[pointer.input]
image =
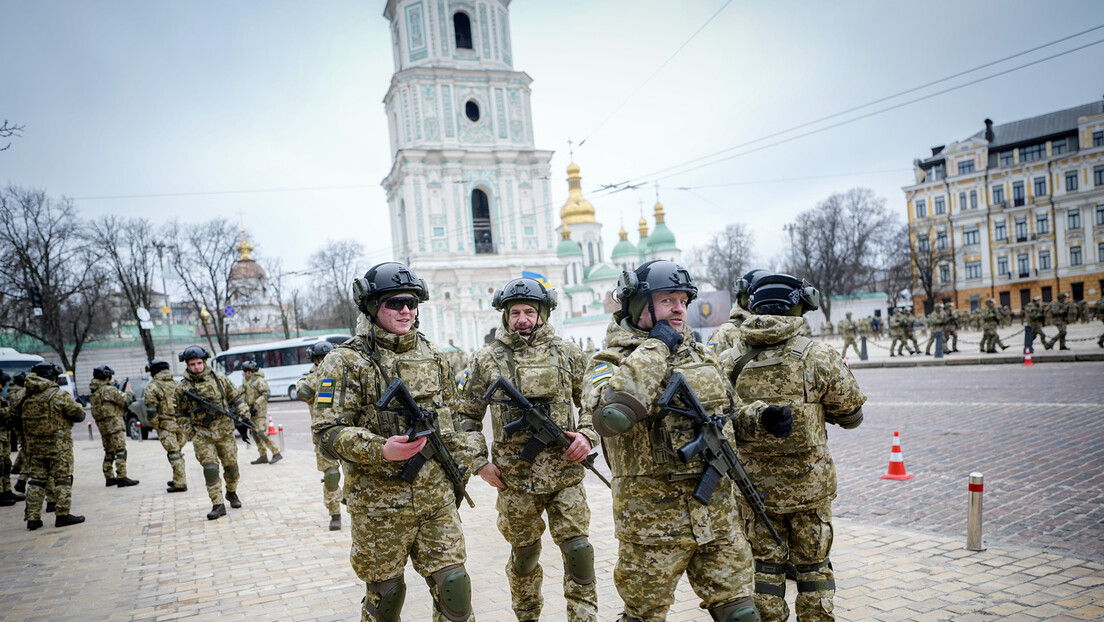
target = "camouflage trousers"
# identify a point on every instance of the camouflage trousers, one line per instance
(1037, 331)
(210, 451)
(521, 523)
(173, 439)
(646, 575)
(850, 341)
(990, 339)
(1059, 338)
(46, 466)
(808, 534)
(260, 434)
(5, 461)
(382, 542)
(114, 462)
(331, 496)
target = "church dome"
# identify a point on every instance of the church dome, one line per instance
(245, 267)
(642, 245)
(567, 248)
(577, 209)
(624, 248)
(662, 239)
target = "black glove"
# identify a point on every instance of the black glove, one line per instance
(663, 332)
(252, 410)
(778, 420)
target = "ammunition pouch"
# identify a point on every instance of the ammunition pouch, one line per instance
(526, 558)
(739, 610)
(453, 592)
(619, 414)
(331, 478)
(578, 559)
(392, 596)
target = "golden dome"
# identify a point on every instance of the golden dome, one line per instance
(577, 209)
(643, 227)
(624, 234)
(658, 212)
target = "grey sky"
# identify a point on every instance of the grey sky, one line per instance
(194, 108)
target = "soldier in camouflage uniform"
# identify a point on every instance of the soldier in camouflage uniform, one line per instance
(1098, 308)
(936, 321)
(108, 408)
(546, 370)
(1035, 314)
(847, 331)
(392, 519)
(896, 333)
(330, 468)
(908, 325)
(662, 530)
(724, 335)
(212, 434)
(16, 391)
(7, 497)
(47, 415)
(990, 318)
(774, 363)
(255, 391)
(172, 431)
(1058, 312)
(950, 327)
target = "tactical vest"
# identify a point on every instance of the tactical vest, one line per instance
(785, 380)
(541, 382)
(40, 420)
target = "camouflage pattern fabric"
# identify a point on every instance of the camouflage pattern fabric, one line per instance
(15, 396)
(47, 415)
(213, 443)
(5, 447)
(108, 408)
(663, 531)
(990, 319)
(331, 497)
(546, 369)
(1098, 308)
(171, 430)
(255, 389)
(724, 335)
(1035, 314)
(847, 331)
(1058, 312)
(908, 322)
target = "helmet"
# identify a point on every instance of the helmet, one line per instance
(4, 378)
(157, 366)
(319, 349)
(990, 301)
(938, 306)
(746, 282)
(386, 278)
(634, 289)
(1037, 299)
(778, 293)
(525, 290)
(848, 314)
(193, 352)
(250, 366)
(1064, 295)
(46, 370)
(103, 372)
(20, 378)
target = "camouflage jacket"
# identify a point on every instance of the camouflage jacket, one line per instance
(348, 425)
(546, 370)
(159, 397)
(846, 328)
(47, 414)
(989, 317)
(722, 337)
(255, 390)
(1058, 312)
(109, 406)
(214, 387)
(1035, 313)
(307, 388)
(652, 488)
(810, 377)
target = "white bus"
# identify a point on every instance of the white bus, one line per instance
(13, 363)
(283, 362)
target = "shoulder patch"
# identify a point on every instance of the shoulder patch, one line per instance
(463, 382)
(324, 397)
(602, 373)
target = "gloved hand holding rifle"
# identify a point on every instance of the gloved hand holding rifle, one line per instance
(211, 409)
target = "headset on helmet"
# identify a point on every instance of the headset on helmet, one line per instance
(46, 370)
(529, 291)
(776, 294)
(193, 352)
(157, 366)
(659, 275)
(20, 378)
(319, 349)
(386, 278)
(250, 366)
(103, 372)
(745, 283)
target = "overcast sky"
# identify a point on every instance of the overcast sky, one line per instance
(196, 109)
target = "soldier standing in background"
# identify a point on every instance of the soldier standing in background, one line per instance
(212, 433)
(255, 390)
(547, 370)
(776, 364)
(990, 318)
(306, 389)
(950, 327)
(108, 405)
(1035, 314)
(47, 415)
(936, 321)
(171, 430)
(7, 497)
(1058, 312)
(392, 519)
(1099, 310)
(724, 335)
(662, 530)
(908, 325)
(16, 391)
(847, 331)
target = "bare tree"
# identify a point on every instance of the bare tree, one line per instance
(204, 254)
(835, 245)
(127, 246)
(925, 257)
(338, 263)
(51, 286)
(728, 255)
(7, 131)
(895, 274)
(278, 279)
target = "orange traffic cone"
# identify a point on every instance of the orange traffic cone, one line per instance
(896, 461)
(271, 428)
(1027, 357)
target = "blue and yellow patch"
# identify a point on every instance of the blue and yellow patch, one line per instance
(463, 382)
(174, 402)
(712, 346)
(324, 398)
(602, 373)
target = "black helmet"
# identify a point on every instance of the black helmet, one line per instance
(157, 366)
(103, 372)
(634, 289)
(526, 290)
(775, 294)
(193, 352)
(745, 283)
(20, 378)
(319, 349)
(386, 278)
(4, 378)
(250, 366)
(46, 370)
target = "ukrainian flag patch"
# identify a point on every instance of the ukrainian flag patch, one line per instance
(602, 373)
(324, 398)
(712, 346)
(463, 382)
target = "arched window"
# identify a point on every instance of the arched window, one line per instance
(481, 222)
(461, 25)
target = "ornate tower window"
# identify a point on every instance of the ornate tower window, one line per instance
(471, 109)
(461, 25)
(481, 222)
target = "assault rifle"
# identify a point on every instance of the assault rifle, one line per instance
(535, 418)
(718, 455)
(211, 409)
(423, 423)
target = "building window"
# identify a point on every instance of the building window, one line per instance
(973, 269)
(973, 199)
(1071, 181)
(1021, 229)
(1098, 139)
(1040, 186)
(1018, 195)
(462, 26)
(941, 240)
(1007, 158)
(921, 208)
(922, 243)
(1042, 223)
(961, 201)
(998, 194)
(1058, 147)
(1023, 265)
(970, 236)
(937, 172)
(1098, 175)
(481, 222)
(1000, 230)
(1032, 153)
(945, 272)
(1099, 215)
(1100, 252)
(966, 166)
(471, 109)
(1044, 260)
(1075, 255)
(940, 205)
(1073, 219)
(438, 232)
(1002, 265)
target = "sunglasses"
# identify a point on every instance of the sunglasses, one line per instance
(397, 303)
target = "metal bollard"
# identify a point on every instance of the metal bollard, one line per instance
(90, 432)
(280, 431)
(973, 524)
(862, 351)
(939, 344)
(1029, 338)
(139, 424)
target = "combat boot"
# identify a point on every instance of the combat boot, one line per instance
(6, 499)
(123, 482)
(276, 457)
(111, 481)
(174, 488)
(68, 519)
(217, 510)
(33, 524)
(51, 506)
(261, 460)
(20, 485)
(335, 522)
(232, 497)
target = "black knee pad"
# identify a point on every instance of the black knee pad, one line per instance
(526, 558)
(740, 610)
(121, 454)
(578, 559)
(453, 592)
(392, 595)
(232, 472)
(210, 474)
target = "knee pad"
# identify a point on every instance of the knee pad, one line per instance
(121, 454)
(232, 472)
(822, 584)
(526, 558)
(210, 474)
(740, 610)
(331, 478)
(762, 587)
(64, 481)
(578, 559)
(392, 595)
(453, 592)
(36, 482)
(175, 456)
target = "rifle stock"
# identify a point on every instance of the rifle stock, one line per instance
(211, 409)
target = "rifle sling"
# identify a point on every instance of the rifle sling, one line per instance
(743, 361)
